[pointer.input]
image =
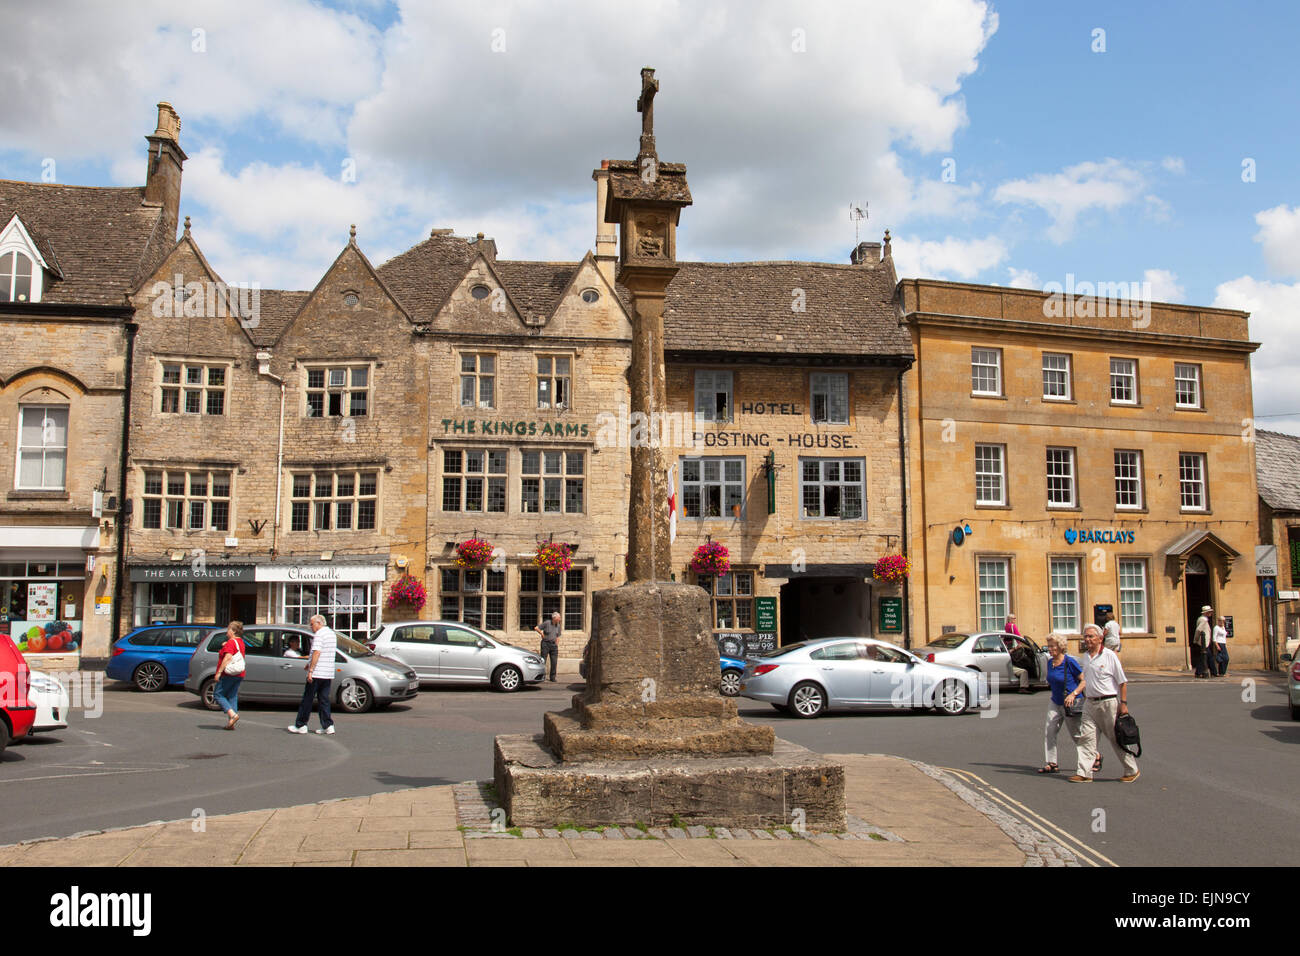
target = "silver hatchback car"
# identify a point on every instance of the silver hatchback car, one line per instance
(856, 673)
(275, 673)
(986, 652)
(450, 652)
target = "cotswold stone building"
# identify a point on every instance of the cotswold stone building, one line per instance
(69, 258)
(1277, 466)
(1096, 455)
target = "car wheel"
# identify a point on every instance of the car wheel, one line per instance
(951, 698)
(208, 694)
(807, 700)
(4, 735)
(1295, 711)
(355, 696)
(150, 676)
(730, 684)
(507, 678)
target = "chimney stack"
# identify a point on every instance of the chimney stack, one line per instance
(866, 253)
(162, 185)
(606, 238)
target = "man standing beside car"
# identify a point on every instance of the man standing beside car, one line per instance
(320, 679)
(550, 631)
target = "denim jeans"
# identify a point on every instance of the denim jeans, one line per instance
(227, 692)
(319, 691)
(1222, 657)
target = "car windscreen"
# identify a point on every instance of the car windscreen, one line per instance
(950, 640)
(351, 647)
(784, 649)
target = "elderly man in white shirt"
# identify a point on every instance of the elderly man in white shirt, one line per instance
(1105, 690)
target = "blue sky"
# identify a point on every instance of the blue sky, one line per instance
(1115, 165)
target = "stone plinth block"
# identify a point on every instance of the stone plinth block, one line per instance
(653, 737)
(651, 643)
(790, 786)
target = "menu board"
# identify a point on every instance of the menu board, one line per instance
(41, 596)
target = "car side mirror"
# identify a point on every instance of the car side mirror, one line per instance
(483, 644)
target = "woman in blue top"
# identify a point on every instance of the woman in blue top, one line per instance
(1063, 675)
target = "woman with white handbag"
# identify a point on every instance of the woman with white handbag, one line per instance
(230, 672)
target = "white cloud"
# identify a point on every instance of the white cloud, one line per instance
(1279, 234)
(1023, 279)
(1174, 164)
(1065, 196)
(1164, 285)
(1274, 309)
(947, 258)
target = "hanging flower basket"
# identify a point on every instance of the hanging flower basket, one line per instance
(554, 558)
(712, 558)
(473, 554)
(892, 568)
(407, 590)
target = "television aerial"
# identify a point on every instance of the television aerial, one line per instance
(857, 214)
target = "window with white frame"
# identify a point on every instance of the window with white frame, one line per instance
(713, 395)
(832, 487)
(338, 391)
(994, 593)
(1056, 376)
(1060, 478)
(986, 371)
(476, 596)
(344, 500)
(1132, 595)
(474, 479)
(542, 593)
(1064, 573)
(189, 500)
(1191, 481)
(830, 397)
(192, 388)
(712, 487)
(990, 475)
(732, 596)
(554, 374)
(42, 447)
(1128, 479)
(552, 481)
(1123, 381)
(478, 377)
(20, 279)
(1187, 385)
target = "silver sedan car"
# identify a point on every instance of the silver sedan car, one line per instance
(986, 652)
(449, 652)
(855, 673)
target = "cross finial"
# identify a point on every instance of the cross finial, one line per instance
(645, 105)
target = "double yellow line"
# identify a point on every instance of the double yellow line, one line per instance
(1017, 809)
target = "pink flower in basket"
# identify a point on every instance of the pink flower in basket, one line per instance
(473, 554)
(711, 558)
(893, 568)
(407, 590)
(554, 558)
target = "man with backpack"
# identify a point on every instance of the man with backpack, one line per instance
(1105, 690)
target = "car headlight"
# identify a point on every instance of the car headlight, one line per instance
(535, 661)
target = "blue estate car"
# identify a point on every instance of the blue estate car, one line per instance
(156, 655)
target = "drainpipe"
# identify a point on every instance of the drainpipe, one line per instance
(264, 369)
(123, 509)
(902, 483)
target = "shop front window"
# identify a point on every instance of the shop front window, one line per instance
(351, 610)
(41, 605)
(170, 603)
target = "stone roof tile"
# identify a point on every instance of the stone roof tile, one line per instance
(1277, 470)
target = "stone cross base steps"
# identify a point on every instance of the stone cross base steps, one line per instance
(792, 785)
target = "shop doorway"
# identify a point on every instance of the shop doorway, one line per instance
(817, 607)
(1196, 587)
(236, 603)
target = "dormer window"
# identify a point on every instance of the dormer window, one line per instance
(16, 281)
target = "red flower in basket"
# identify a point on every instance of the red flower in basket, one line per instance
(407, 590)
(473, 554)
(711, 558)
(893, 568)
(554, 558)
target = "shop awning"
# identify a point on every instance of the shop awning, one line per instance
(49, 536)
(188, 571)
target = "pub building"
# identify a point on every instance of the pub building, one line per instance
(1073, 456)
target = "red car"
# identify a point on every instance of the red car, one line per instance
(17, 713)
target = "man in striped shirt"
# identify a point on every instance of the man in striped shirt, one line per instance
(320, 679)
(1105, 690)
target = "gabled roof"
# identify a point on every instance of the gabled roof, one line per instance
(1185, 543)
(535, 288)
(36, 242)
(423, 276)
(103, 240)
(1277, 469)
(276, 309)
(741, 307)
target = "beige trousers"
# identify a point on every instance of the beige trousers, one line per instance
(1099, 716)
